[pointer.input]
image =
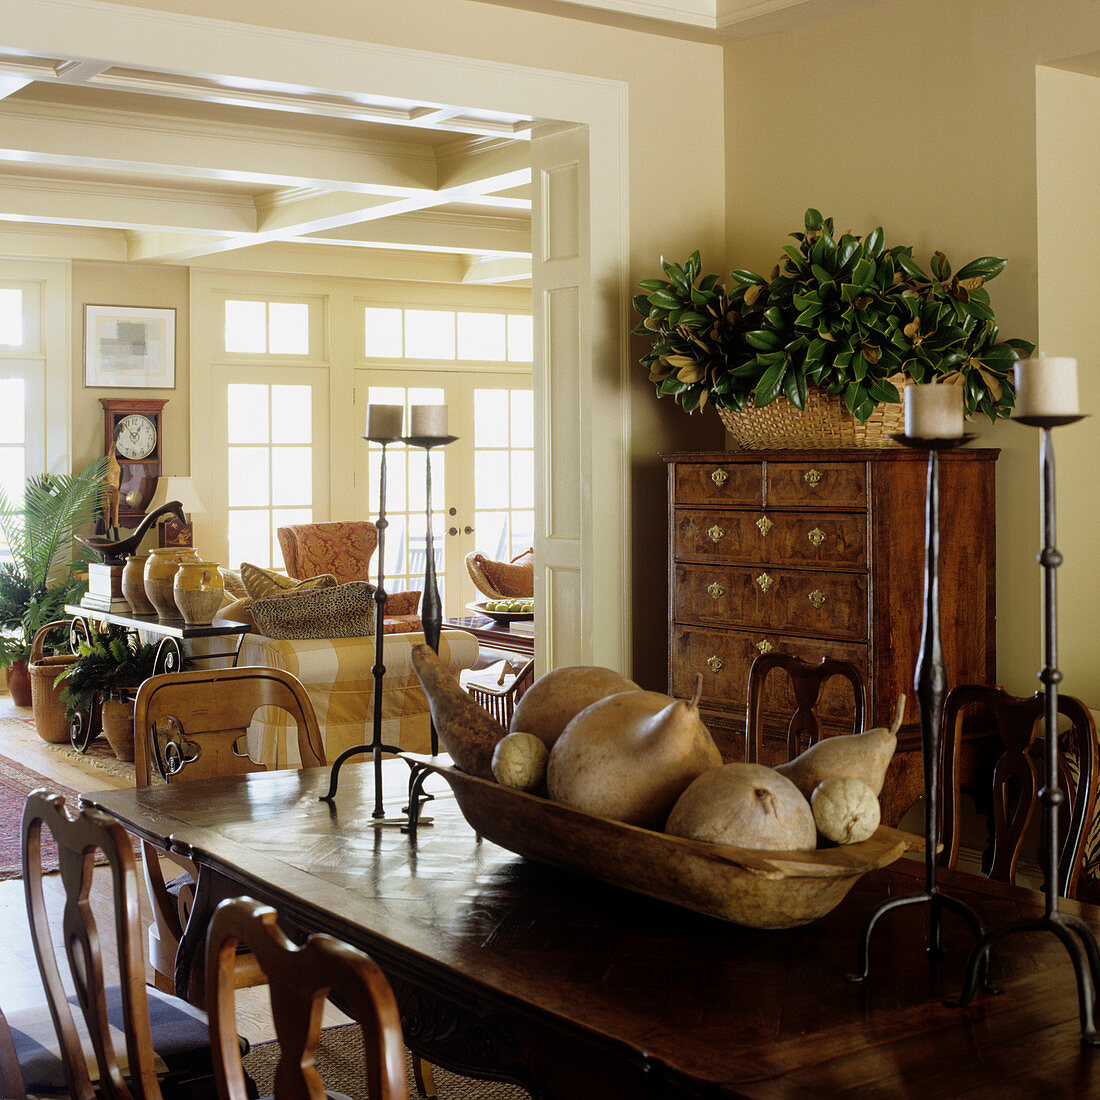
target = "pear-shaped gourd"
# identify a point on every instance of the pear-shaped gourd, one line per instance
(556, 698)
(519, 761)
(630, 756)
(863, 756)
(846, 810)
(466, 730)
(747, 805)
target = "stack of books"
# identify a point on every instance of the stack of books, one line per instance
(105, 589)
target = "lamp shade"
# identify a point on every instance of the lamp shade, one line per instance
(177, 488)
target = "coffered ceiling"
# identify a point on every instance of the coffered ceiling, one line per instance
(99, 162)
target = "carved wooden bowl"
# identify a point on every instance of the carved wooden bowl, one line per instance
(759, 889)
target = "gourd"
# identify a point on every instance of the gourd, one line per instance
(747, 805)
(466, 730)
(846, 810)
(631, 755)
(863, 756)
(519, 761)
(553, 700)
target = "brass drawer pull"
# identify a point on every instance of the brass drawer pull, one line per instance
(812, 478)
(765, 582)
(817, 536)
(715, 590)
(716, 534)
(765, 525)
(817, 598)
(714, 663)
(765, 646)
(719, 477)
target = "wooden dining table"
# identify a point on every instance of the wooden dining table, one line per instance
(508, 969)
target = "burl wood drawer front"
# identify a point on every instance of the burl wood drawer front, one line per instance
(778, 538)
(825, 485)
(781, 600)
(723, 658)
(733, 483)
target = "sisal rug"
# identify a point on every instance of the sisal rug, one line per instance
(340, 1063)
(16, 782)
(99, 758)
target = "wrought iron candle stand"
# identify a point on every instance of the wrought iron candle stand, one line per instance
(431, 608)
(930, 683)
(1075, 934)
(377, 746)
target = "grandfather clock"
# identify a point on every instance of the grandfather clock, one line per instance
(132, 427)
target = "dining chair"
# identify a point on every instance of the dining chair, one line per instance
(500, 687)
(190, 726)
(131, 1041)
(300, 979)
(1018, 775)
(11, 1075)
(806, 681)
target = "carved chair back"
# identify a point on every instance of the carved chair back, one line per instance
(806, 681)
(301, 978)
(1018, 775)
(500, 698)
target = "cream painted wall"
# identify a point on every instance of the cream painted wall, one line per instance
(1068, 110)
(161, 287)
(921, 117)
(676, 192)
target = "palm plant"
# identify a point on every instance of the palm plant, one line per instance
(40, 573)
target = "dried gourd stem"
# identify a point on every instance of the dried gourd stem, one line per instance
(767, 800)
(897, 716)
(694, 704)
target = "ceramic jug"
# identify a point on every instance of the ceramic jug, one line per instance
(133, 585)
(198, 589)
(160, 571)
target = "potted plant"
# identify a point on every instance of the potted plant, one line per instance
(39, 574)
(845, 318)
(111, 664)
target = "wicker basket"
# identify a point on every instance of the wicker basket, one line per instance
(49, 710)
(824, 423)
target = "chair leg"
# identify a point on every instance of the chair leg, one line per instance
(424, 1077)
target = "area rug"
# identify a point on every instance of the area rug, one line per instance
(99, 757)
(16, 782)
(340, 1063)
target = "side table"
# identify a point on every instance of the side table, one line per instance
(490, 634)
(169, 657)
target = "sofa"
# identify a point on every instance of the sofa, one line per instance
(337, 674)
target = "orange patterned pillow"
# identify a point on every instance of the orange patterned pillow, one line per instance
(260, 582)
(500, 580)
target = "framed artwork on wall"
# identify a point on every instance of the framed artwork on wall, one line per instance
(130, 346)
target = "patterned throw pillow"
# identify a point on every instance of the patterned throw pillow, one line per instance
(500, 580)
(260, 582)
(343, 611)
(233, 582)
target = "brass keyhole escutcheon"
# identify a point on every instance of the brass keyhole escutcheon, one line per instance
(812, 478)
(765, 582)
(765, 646)
(765, 525)
(817, 536)
(716, 534)
(714, 663)
(716, 590)
(719, 477)
(817, 598)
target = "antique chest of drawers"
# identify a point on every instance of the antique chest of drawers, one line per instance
(821, 553)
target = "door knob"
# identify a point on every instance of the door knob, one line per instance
(452, 530)
(467, 530)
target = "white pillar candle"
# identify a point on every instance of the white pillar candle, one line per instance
(933, 411)
(428, 420)
(1046, 386)
(384, 421)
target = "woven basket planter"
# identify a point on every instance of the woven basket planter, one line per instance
(49, 710)
(824, 423)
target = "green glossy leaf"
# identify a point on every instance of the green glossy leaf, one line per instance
(821, 274)
(653, 284)
(678, 277)
(692, 266)
(663, 299)
(745, 278)
(808, 318)
(911, 267)
(671, 386)
(770, 385)
(795, 257)
(863, 272)
(940, 267)
(774, 318)
(986, 267)
(813, 219)
(873, 244)
(762, 340)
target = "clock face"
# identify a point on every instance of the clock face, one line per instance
(136, 436)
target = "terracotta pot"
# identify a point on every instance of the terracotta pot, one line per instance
(160, 571)
(118, 726)
(133, 585)
(19, 683)
(198, 590)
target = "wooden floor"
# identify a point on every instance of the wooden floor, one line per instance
(19, 980)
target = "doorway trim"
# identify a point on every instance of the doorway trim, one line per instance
(175, 42)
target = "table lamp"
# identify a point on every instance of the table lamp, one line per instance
(172, 532)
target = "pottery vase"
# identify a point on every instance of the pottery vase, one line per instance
(133, 585)
(160, 572)
(118, 726)
(198, 590)
(19, 683)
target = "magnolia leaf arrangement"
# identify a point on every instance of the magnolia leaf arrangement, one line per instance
(848, 315)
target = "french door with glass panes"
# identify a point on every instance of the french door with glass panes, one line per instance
(482, 484)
